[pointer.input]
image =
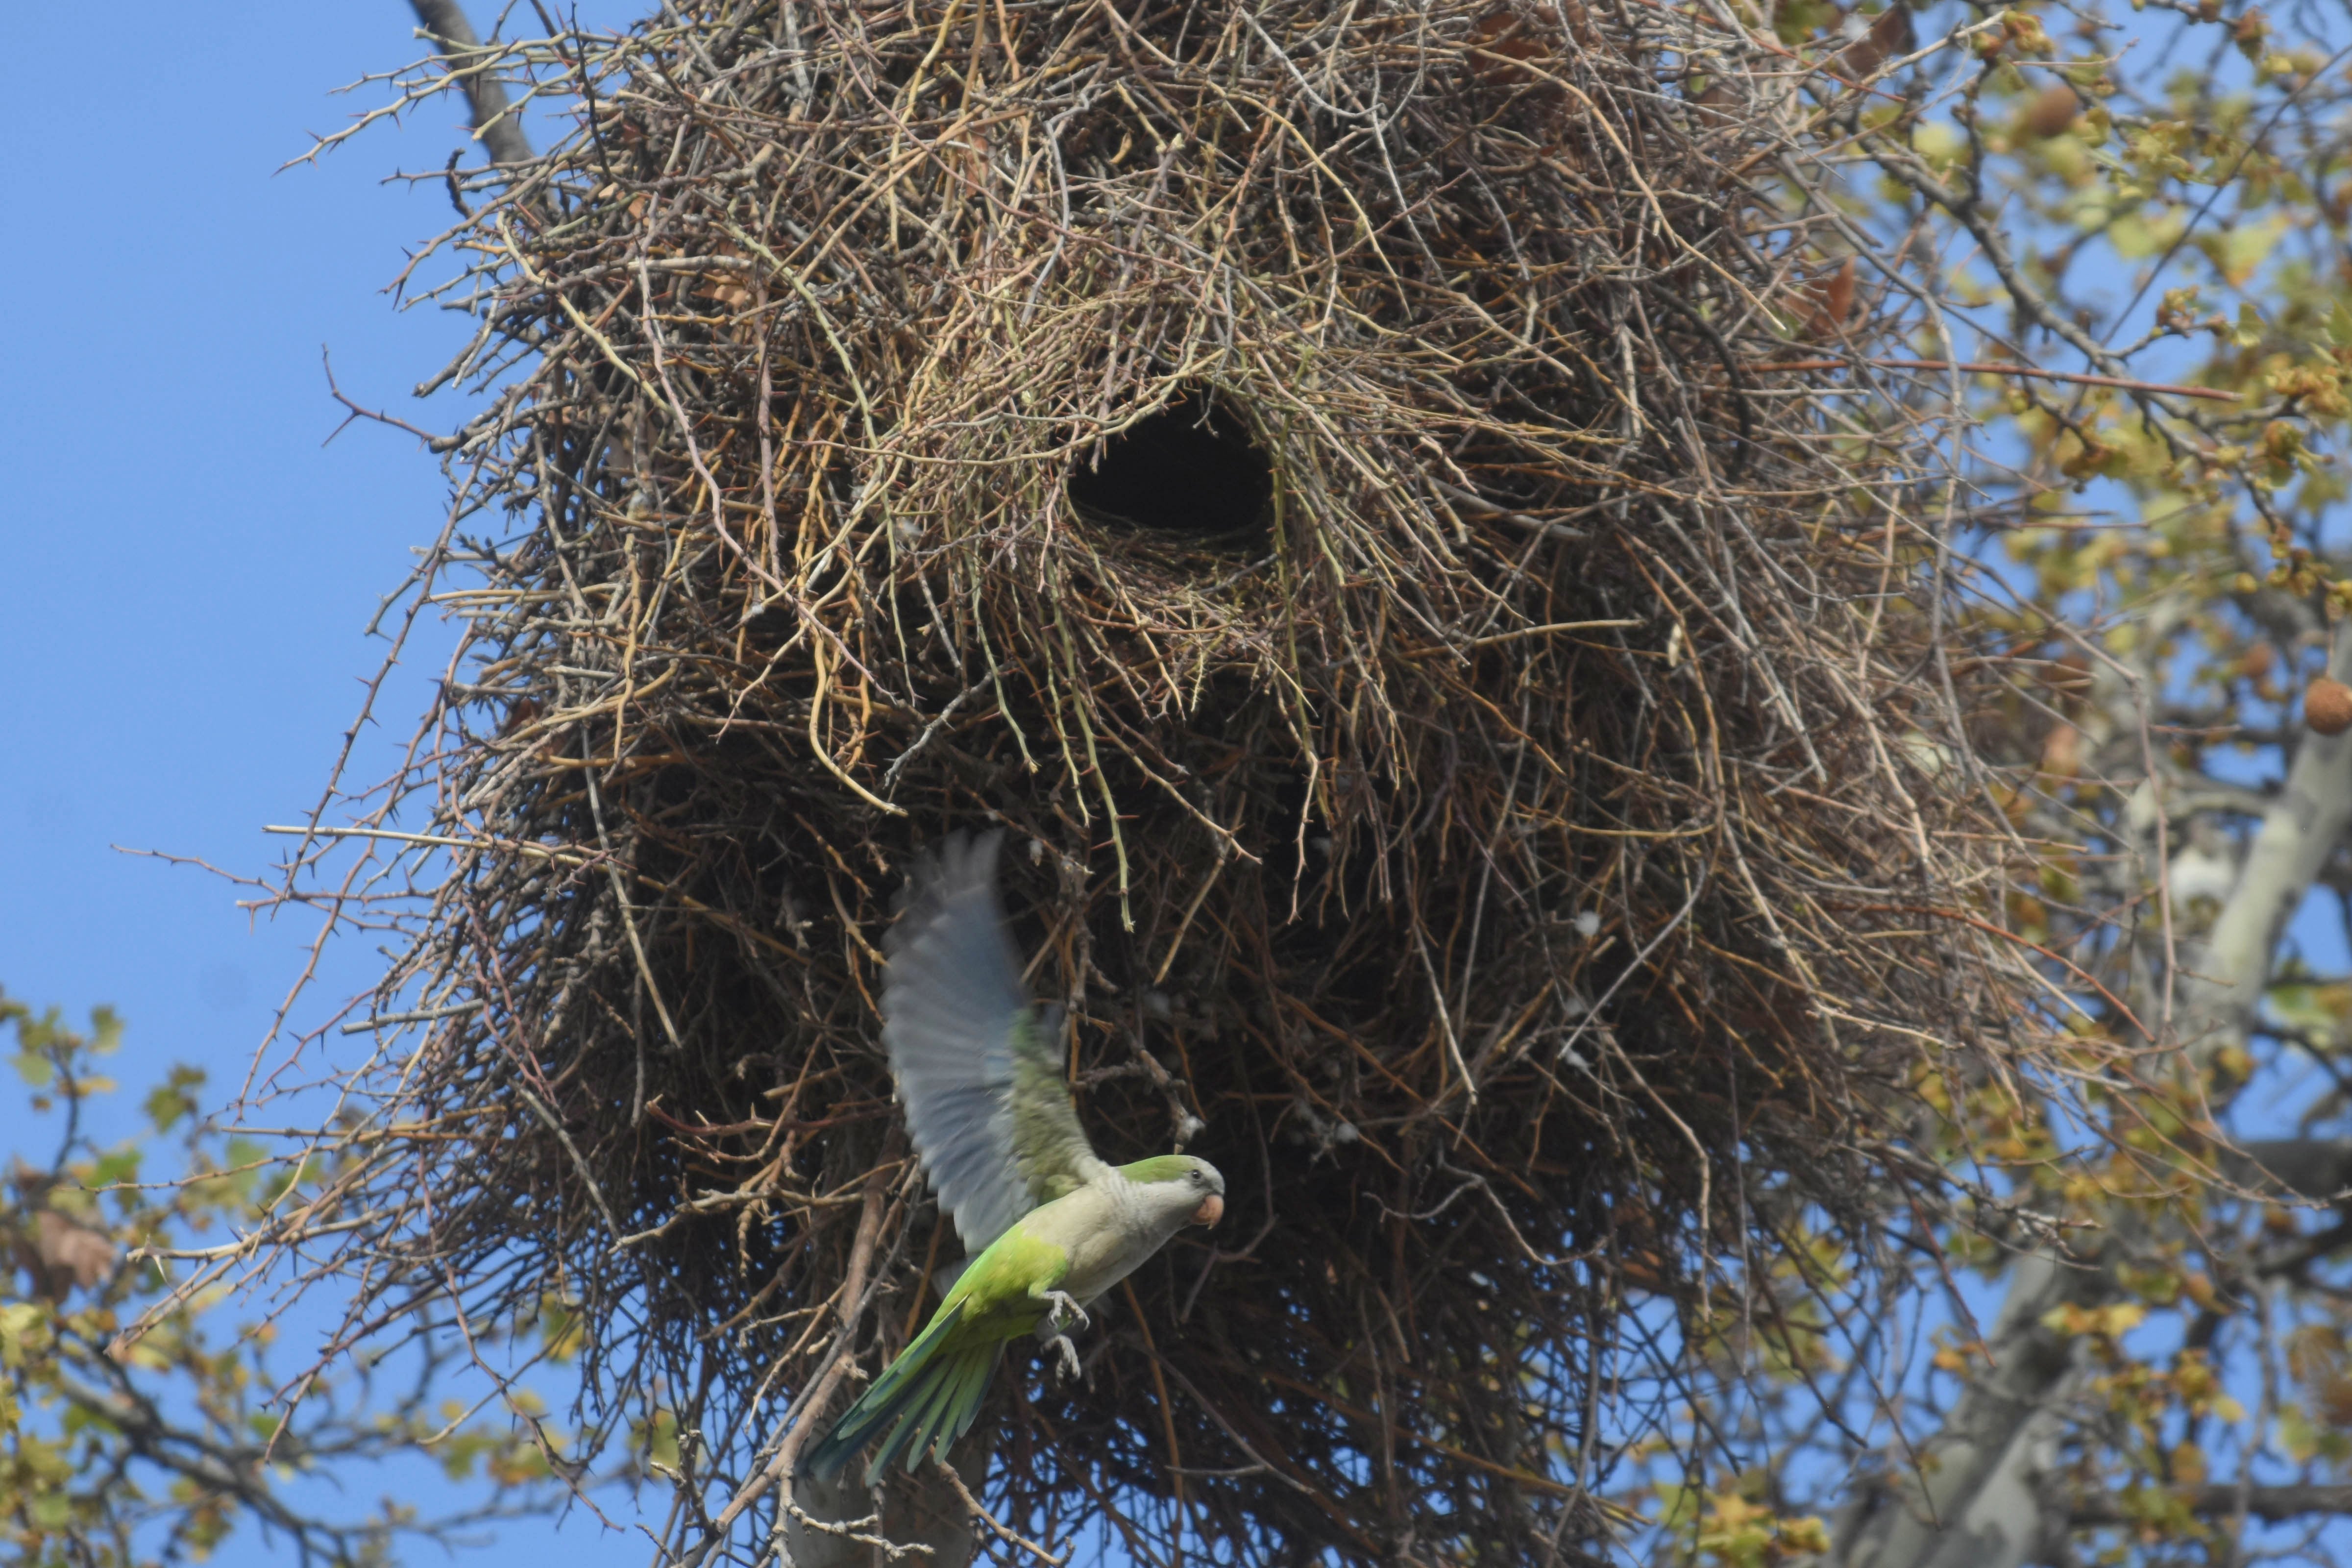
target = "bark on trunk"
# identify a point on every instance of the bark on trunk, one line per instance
(918, 1509)
(495, 126)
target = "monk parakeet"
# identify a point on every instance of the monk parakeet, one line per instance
(1048, 1226)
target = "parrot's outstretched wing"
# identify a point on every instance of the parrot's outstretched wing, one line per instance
(985, 1097)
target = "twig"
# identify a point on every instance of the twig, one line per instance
(1009, 1537)
(1974, 367)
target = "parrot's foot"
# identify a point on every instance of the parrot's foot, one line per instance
(1066, 1310)
(1069, 1354)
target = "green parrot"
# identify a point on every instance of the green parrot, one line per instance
(1047, 1226)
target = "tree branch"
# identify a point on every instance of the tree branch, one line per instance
(2225, 1499)
(496, 125)
(2318, 1168)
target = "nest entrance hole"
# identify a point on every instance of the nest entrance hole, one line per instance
(1190, 470)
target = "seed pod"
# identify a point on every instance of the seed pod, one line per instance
(2052, 110)
(2328, 706)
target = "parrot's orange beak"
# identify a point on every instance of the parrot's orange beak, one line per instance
(1212, 1210)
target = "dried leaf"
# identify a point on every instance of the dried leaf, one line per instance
(69, 1254)
(1889, 36)
(1832, 302)
(1507, 34)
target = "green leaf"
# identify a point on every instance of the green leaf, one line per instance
(173, 1100)
(116, 1169)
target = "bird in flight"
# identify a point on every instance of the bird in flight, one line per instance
(1047, 1224)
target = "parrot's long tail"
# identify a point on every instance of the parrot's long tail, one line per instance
(931, 1393)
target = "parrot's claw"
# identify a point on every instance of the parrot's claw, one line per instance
(1066, 1310)
(1069, 1354)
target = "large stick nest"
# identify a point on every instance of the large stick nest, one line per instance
(1479, 765)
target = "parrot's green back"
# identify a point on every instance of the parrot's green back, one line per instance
(928, 1397)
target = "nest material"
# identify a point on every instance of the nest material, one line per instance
(1317, 474)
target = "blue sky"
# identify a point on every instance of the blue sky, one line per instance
(189, 568)
(189, 571)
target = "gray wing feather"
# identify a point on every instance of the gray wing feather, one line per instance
(985, 1099)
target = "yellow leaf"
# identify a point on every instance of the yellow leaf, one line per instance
(2243, 247)
(1806, 1535)
(1938, 142)
(2296, 1435)
(2135, 237)
(20, 1321)
(143, 1353)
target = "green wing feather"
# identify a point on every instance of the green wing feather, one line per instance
(910, 1378)
(1048, 1144)
(982, 1082)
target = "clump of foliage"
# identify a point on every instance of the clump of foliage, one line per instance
(122, 1450)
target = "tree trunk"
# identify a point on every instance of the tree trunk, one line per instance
(495, 124)
(1976, 1499)
(923, 1509)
